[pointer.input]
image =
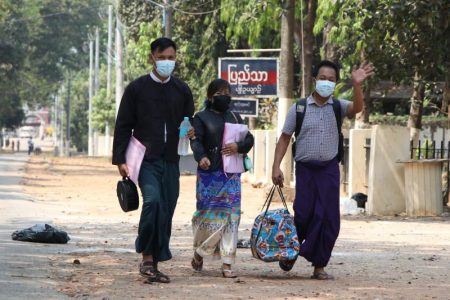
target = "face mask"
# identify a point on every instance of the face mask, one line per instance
(325, 88)
(165, 67)
(221, 102)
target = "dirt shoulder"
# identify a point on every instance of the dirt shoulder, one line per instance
(387, 258)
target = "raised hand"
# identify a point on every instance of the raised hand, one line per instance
(361, 73)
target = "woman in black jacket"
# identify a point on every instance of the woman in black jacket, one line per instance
(216, 220)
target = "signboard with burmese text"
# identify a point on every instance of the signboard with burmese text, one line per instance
(255, 77)
(246, 107)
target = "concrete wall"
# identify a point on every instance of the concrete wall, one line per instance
(271, 142)
(389, 144)
(357, 160)
(103, 146)
(262, 156)
(259, 156)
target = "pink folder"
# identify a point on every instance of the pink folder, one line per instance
(134, 157)
(234, 133)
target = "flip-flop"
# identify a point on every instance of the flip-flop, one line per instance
(322, 276)
(228, 274)
(197, 265)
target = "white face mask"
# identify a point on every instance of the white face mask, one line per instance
(165, 67)
(325, 87)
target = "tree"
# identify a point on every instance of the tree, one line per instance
(200, 39)
(308, 44)
(418, 33)
(11, 113)
(39, 41)
(79, 108)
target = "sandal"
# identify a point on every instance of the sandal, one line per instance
(286, 265)
(147, 269)
(197, 264)
(160, 277)
(322, 276)
(228, 273)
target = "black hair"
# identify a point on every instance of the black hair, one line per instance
(162, 44)
(326, 63)
(215, 86)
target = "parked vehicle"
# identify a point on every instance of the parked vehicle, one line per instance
(27, 132)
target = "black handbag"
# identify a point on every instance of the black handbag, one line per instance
(127, 194)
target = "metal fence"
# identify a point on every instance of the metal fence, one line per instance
(428, 150)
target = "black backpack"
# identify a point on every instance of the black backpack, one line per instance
(300, 108)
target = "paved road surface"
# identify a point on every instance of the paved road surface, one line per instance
(22, 275)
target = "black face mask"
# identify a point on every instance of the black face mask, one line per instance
(221, 102)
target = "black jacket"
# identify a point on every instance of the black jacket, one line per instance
(209, 126)
(152, 112)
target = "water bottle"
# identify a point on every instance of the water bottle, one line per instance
(183, 144)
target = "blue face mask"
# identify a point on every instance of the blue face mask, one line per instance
(325, 87)
(165, 67)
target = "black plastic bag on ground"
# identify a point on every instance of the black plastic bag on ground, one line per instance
(41, 233)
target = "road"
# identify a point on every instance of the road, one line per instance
(374, 257)
(21, 272)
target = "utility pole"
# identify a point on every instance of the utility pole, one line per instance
(109, 51)
(91, 94)
(97, 61)
(61, 124)
(108, 74)
(68, 116)
(119, 65)
(55, 120)
(168, 14)
(96, 80)
(286, 79)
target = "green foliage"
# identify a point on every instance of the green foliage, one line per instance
(79, 111)
(267, 113)
(103, 106)
(343, 94)
(103, 110)
(138, 52)
(427, 121)
(39, 41)
(11, 113)
(425, 151)
(254, 23)
(200, 40)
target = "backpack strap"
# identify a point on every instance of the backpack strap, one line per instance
(234, 116)
(337, 114)
(300, 110)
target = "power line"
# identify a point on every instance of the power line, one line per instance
(184, 11)
(157, 4)
(37, 17)
(197, 13)
(50, 15)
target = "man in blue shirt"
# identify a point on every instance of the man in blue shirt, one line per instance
(316, 204)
